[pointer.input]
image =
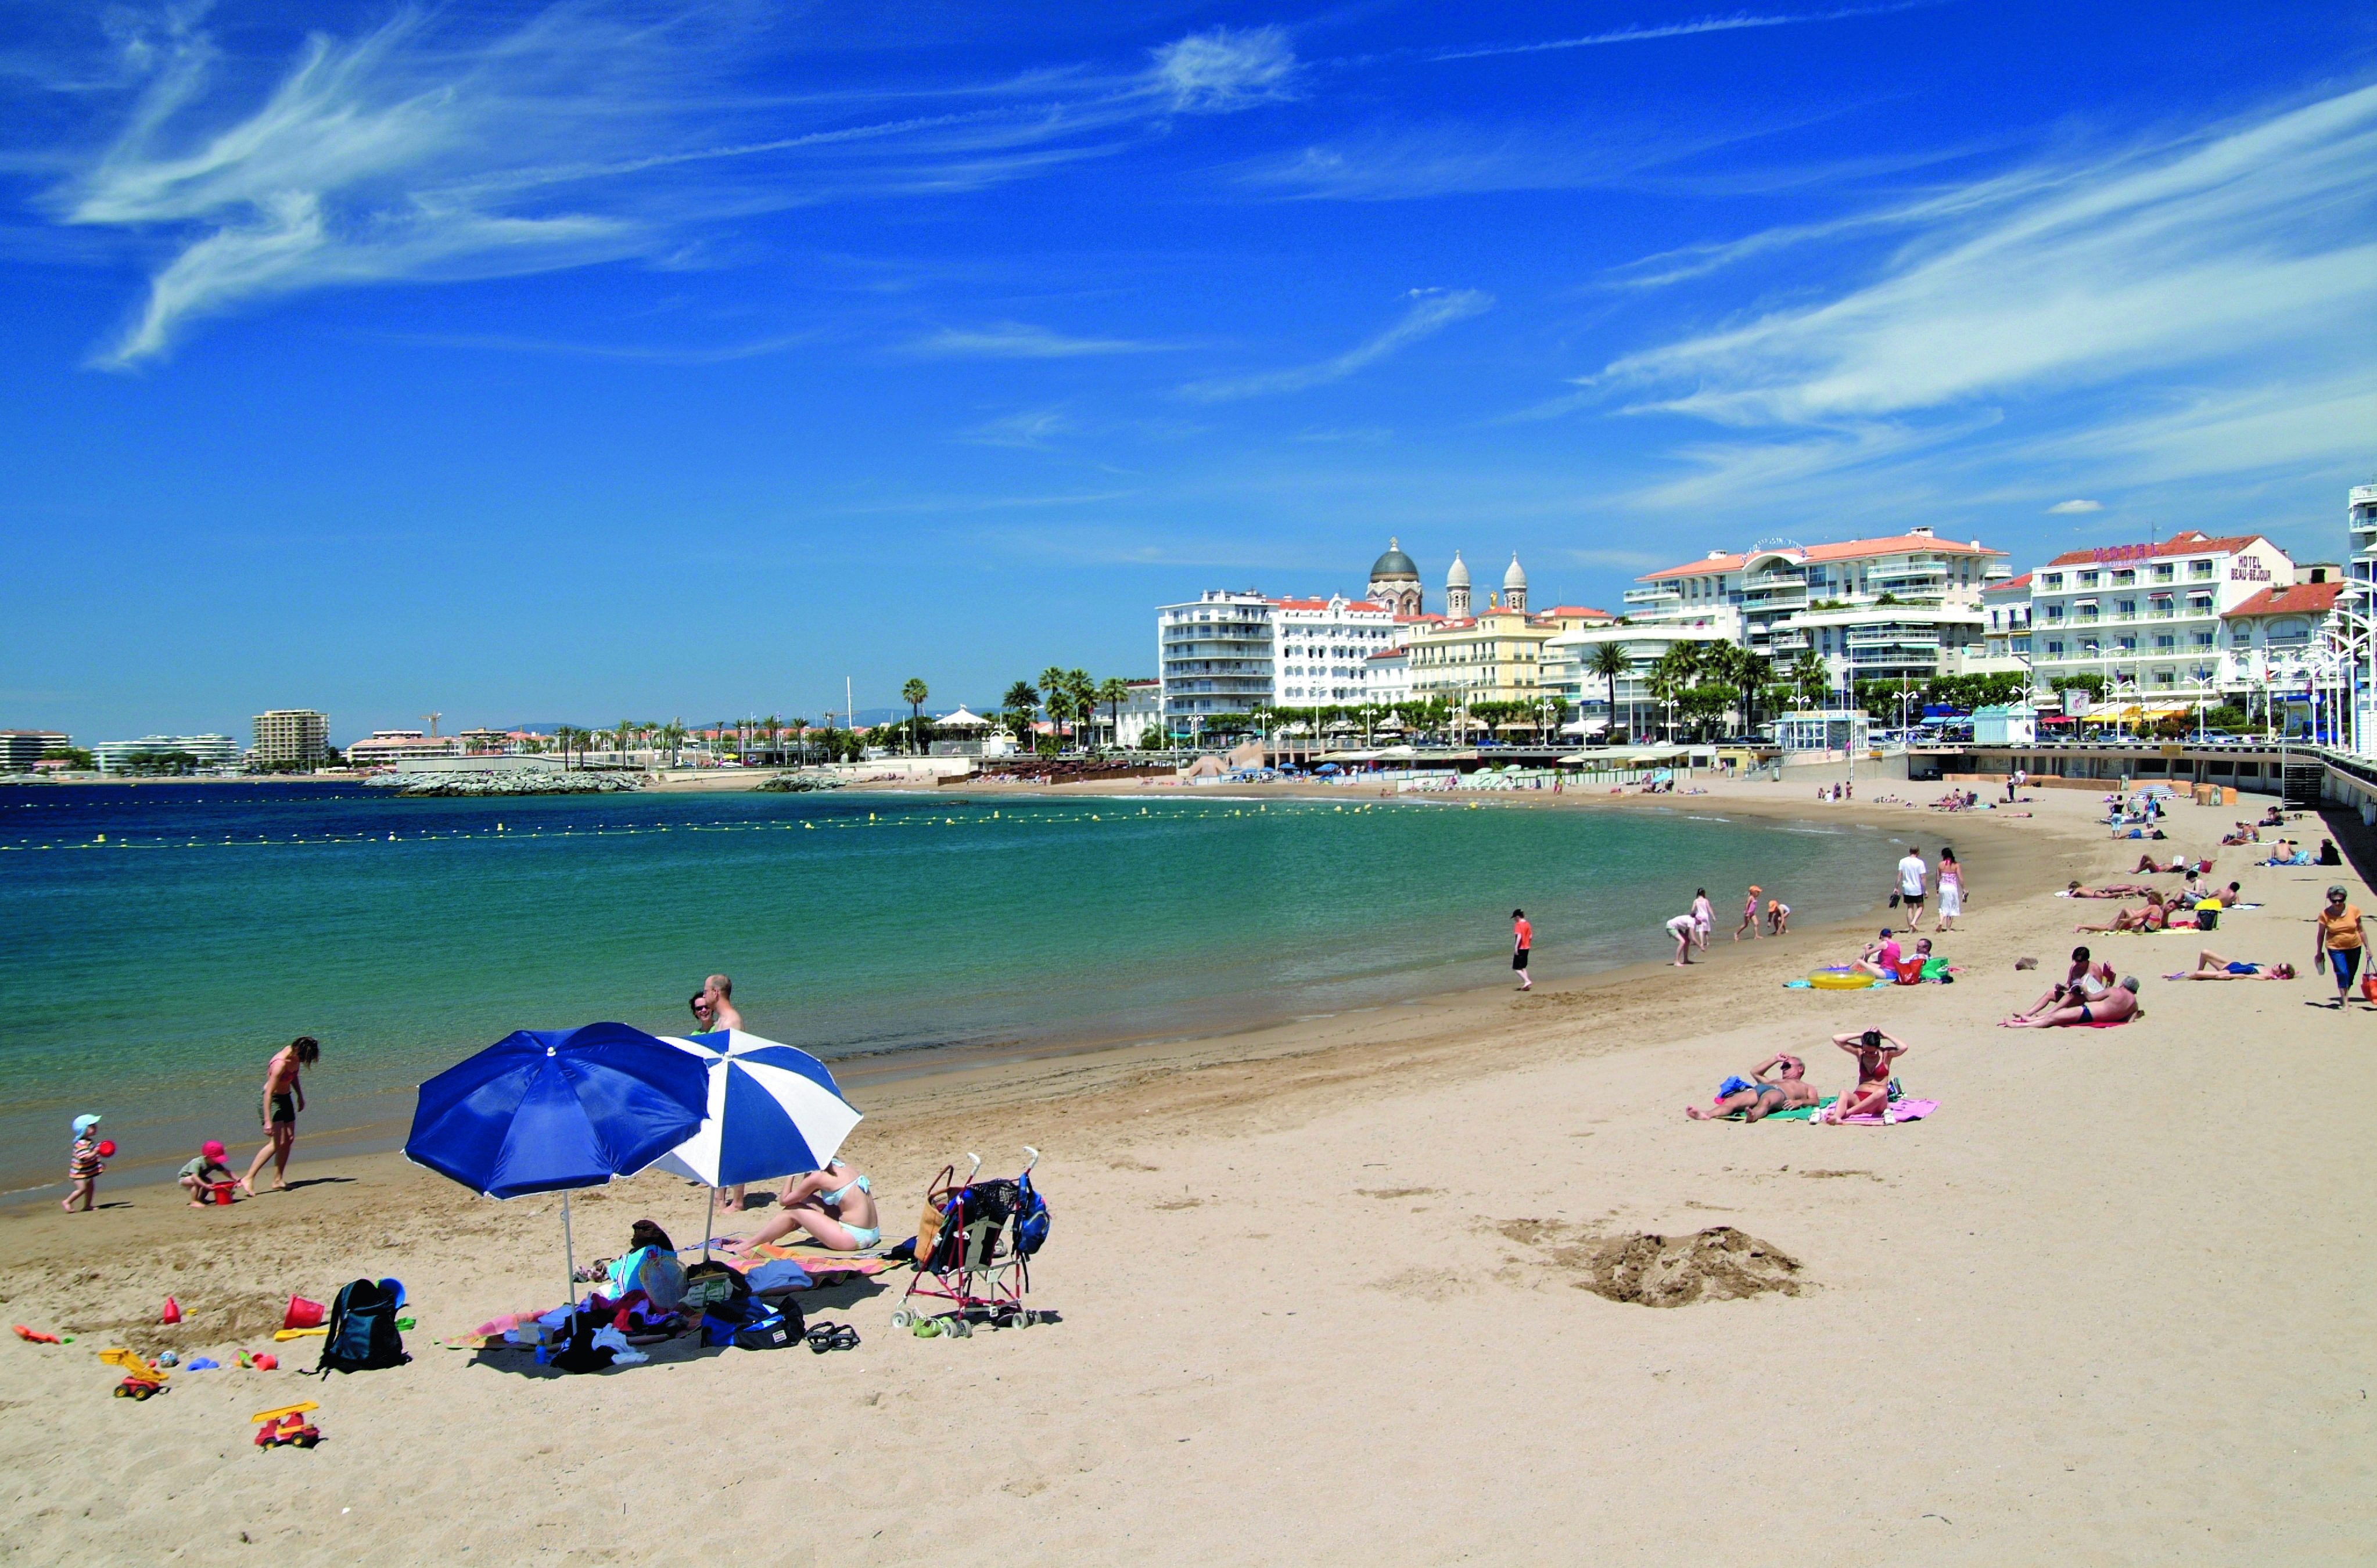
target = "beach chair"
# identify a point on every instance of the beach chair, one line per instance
(973, 1250)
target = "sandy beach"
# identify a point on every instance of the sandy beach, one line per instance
(1339, 1292)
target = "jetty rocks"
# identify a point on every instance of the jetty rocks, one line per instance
(804, 780)
(543, 782)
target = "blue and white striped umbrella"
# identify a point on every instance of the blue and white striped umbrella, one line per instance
(773, 1111)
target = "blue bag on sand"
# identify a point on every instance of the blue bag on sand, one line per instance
(1734, 1085)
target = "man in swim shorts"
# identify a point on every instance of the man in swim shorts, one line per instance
(2117, 1006)
(1522, 941)
(1685, 930)
(1911, 874)
(1763, 1098)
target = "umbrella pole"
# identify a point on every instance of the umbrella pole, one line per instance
(568, 1252)
(706, 1214)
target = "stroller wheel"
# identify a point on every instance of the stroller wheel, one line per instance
(901, 1319)
(959, 1328)
(1025, 1317)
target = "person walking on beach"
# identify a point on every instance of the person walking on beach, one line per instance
(1749, 915)
(1703, 917)
(2336, 944)
(1522, 941)
(1911, 874)
(84, 1163)
(283, 1098)
(1952, 890)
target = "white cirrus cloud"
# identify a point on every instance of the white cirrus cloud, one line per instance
(2066, 508)
(440, 147)
(1736, 22)
(2089, 314)
(1227, 68)
(1430, 312)
(1018, 341)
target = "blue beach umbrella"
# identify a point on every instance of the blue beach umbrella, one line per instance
(771, 1111)
(546, 1111)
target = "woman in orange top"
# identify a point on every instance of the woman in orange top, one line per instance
(2339, 934)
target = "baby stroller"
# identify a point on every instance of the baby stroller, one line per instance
(973, 1249)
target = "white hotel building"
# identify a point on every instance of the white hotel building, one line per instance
(2148, 617)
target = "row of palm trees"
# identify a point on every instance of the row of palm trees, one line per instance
(1067, 696)
(744, 735)
(1705, 680)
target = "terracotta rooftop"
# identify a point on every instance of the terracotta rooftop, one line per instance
(2188, 543)
(2303, 598)
(1846, 550)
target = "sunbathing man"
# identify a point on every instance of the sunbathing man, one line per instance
(2246, 834)
(1874, 1051)
(1762, 1098)
(2147, 863)
(2117, 1006)
(2152, 916)
(2211, 966)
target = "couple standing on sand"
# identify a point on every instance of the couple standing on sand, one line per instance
(835, 1204)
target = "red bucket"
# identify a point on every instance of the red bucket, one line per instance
(219, 1192)
(303, 1314)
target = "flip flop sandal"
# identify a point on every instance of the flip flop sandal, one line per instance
(832, 1336)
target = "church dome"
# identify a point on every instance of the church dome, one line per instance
(1516, 578)
(1459, 575)
(1393, 564)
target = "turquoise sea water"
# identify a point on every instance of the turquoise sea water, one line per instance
(157, 944)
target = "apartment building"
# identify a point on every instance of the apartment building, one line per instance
(20, 749)
(292, 736)
(1214, 654)
(1614, 702)
(389, 747)
(1906, 607)
(1495, 656)
(211, 750)
(1324, 647)
(2147, 617)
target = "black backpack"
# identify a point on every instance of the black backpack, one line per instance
(362, 1331)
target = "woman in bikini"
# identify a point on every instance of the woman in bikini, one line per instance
(277, 1107)
(1789, 1092)
(2152, 917)
(835, 1204)
(1875, 1052)
(2211, 966)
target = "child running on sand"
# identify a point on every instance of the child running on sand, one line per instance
(83, 1165)
(1749, 915)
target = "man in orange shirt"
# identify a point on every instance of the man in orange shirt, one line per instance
(1522, 939)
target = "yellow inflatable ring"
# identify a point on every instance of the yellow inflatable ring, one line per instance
(1842, 983)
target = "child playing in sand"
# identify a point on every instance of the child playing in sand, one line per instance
(207, 1170)
(83, 1165)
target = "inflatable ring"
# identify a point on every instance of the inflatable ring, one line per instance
(1842, 982)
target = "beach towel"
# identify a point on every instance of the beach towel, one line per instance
(1908, 1111)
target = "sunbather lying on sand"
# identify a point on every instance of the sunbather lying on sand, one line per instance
(2147, 863)
(1874, 1051)
(2115, 1007)
(1788, 1092)
(2153, 915)
(2111, 890)
(2211, 966)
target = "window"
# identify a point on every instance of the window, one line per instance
(2199, 569)
(2165, 572)
(2124, 578)
(2088, 646)
(2088, 579)
(2125, 607)
(2129, 644)
(2204, 640)
(2054, 648)
(2165, 640)
(2055, 613)
(2052, 581)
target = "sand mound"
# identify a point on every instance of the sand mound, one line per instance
(1717, 1264)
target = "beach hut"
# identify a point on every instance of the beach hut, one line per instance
(962, 719)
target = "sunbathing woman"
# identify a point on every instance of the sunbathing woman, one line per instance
(835, 1204)
(2111, 890)
(2211, 966)
(2147, 863)
(2085, 979)
(1761, 1099)
(2153, 916)
(2116, 1006)
(1874, 1051)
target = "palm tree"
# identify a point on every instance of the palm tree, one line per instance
(1809, 672)
(1678, 671)
(1610, 661)
(1114, 691)
(1017, 706)
(1053, 692)
(913, 694)
(1081, 695)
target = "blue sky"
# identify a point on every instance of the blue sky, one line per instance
(594, 361)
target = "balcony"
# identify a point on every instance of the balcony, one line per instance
(1655, 598)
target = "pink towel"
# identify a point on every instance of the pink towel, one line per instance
(1908, 1111)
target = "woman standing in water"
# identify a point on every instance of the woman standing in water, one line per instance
(278, 1106)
